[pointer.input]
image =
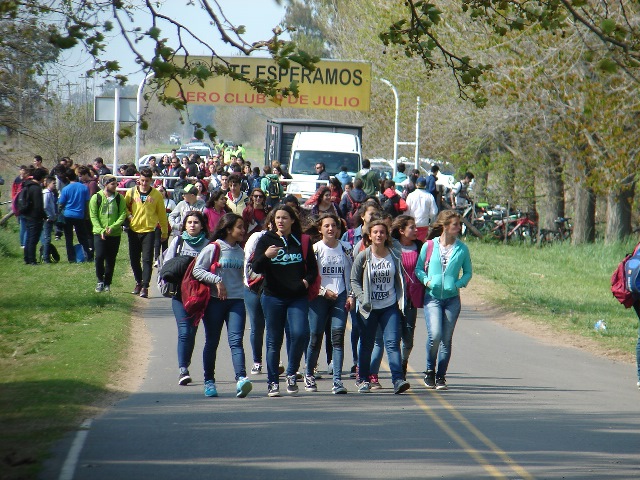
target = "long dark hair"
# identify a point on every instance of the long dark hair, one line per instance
(200, 216)
(225, 226)
(335, 218)
(215, 196)
(296, 227)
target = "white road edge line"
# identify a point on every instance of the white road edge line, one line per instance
(70, 463)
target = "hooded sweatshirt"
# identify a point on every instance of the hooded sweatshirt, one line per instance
(284, 273)
(355, 195)
(371, 180)
(447, 282)
(111, 213)
(229, 270)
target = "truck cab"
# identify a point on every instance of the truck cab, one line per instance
(310, 148)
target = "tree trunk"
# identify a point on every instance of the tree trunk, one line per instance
(584, 225)
(619, 213)
(549, 192)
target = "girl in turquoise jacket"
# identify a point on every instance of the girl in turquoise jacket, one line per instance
(441, 276)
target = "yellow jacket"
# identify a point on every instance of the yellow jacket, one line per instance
(145, 216)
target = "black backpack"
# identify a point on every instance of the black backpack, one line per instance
(23, 201)
(54, 256)
(275, 189)
(390, 205)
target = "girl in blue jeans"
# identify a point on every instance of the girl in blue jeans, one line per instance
(333, 302)
(378, 284)
(279, 256)
(227, 301)
(441, 277)
(192, 240)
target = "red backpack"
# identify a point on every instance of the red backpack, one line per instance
(196, 294)
(619, 282)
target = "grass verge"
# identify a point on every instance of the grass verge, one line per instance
(564, 286)
(59, 345)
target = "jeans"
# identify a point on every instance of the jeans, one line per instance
(106, 252)
(408, 326)
(23, 230)
(45, 239)
(186, 333)
(636, 307)
(377, 352)
(277, 312)
(141, 250)
(389, 320)
(218, 313)
(441, 317)
(355, 335)
(34, 229)
(321, 313)
(256, 318)
(79, 225)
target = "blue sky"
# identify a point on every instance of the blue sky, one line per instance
(258, 16)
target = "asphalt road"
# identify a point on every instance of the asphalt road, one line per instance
(516, 408)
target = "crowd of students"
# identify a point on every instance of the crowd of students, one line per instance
(298, 271)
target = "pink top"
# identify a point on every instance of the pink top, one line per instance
(213, 217)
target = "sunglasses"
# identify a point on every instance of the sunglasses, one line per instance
(258, 196)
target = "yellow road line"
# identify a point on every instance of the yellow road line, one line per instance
(462, 443)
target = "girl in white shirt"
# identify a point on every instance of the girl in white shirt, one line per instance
(333, 302)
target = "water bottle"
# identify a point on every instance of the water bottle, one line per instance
(600, 326)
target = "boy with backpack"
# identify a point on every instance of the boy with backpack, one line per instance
(351, 202)
(272, 187)
(108, 211)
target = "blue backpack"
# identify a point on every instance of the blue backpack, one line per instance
(632, 272)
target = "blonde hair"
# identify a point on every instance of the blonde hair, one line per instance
(444, 219)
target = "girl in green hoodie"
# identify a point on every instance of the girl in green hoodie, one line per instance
(441, 275)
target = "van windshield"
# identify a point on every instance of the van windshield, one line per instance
(304, 162)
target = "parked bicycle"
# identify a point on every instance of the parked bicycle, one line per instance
(563, 231)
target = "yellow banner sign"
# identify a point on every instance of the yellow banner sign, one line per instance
(333, 85)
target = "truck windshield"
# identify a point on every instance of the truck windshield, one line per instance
(304, 162)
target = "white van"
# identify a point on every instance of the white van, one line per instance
(332, 149)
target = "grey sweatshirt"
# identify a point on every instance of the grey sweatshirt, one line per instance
(361, 281)
(229, 271)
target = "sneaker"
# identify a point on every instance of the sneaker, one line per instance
(280, 368)
(256, 369)
(273, 390)
(107, 288)
(430, 379)
(184, 378)
(292, 385)
(354, 372)
(243, 387)
(210, 389)
(363, 387)
(405, 366)
(310, 383)
(144, 293)
(330, 368)
(338, 388)
(137, 289)
(441, 383)
(100, 287)
(400, 386)
(374, 384)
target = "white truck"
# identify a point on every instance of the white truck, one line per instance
(299, 144)
(331, 149)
